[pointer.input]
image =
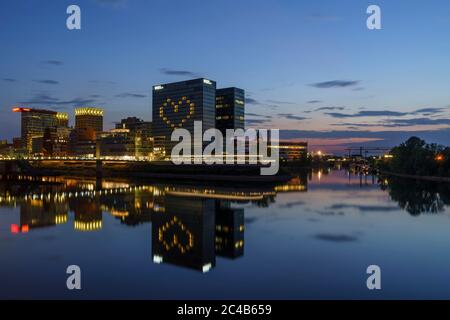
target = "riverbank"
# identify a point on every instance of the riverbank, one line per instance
(410, 176)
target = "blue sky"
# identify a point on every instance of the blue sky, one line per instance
(311, 68)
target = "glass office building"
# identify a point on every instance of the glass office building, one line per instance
(178, 105)
(34, 123)
(230, 109)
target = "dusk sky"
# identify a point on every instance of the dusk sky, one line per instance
(309, 68)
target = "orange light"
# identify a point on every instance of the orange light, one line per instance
(18, 109)
(25, 228)
(439, 157)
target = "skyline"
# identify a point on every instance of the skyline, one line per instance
(313, 70)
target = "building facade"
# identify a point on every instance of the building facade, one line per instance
(140, 132)
(178, 105)
(230, 109)
(88, 124)
(34, 122)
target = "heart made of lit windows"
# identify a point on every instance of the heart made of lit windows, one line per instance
(183, 104)
(175, 234)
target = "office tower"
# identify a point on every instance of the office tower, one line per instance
(230, 109)
(88, 123)
(178, 105)
(140, 132)
(34, 123)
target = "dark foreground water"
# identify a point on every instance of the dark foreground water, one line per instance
(312, 238)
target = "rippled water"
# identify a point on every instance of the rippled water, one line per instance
(312, 238)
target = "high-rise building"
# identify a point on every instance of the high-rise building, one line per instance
(178, 105)
(62, 119)
(230, 109)
(88, 123)
(34, 124)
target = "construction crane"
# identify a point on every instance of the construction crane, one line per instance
(364, 151)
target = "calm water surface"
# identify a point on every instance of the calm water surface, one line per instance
(312, 238)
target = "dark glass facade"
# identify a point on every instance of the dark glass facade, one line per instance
(178, 105)
(34, 124)
(230, 109)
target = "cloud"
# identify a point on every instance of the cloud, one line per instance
(313, 101)
(251, 122)
(130, 95)
(47, 81)
(367, 113)
(172, 72)
(44, 99)
(257, 115)
(385, 138)
(9, 80)
(430, 111)
(251, 101)
(338, 238)
(417, 122)
(291, 116)
(329, 109)
(279, 102)
(53, 62)
(335, 84)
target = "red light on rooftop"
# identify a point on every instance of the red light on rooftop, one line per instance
(18, 109)
(15, 228)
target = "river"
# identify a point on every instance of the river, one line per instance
(310, 239)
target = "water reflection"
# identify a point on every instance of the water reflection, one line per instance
(417, 196)
(190, 225)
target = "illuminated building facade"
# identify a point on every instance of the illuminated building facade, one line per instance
(292, 151)
(88, 123)
(184, 233)
(141, 133)
(178, 105)
(33, 125)
(230, 109)
(117, 143)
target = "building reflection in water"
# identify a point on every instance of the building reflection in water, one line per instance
(191, 225)
(183, 234)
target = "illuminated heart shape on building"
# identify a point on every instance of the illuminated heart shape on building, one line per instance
(184, 105)
(174, 234)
